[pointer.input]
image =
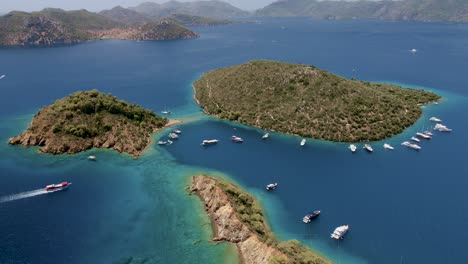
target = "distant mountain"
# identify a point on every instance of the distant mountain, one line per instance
(188, 20)
(214, 9)
(56, 26)
(125, 15)
(420, 10)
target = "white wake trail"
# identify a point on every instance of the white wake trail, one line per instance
(22, 195)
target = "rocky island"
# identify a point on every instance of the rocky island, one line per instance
(88, 119)
(56, 26)
(304, 100)
(237, 218)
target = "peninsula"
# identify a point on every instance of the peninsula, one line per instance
(55, 26)
(88, 119)
(238, 218)
(304, 100)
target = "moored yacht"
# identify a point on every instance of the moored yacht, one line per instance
(388, 146)
(410, 145)
(267, 135)
(442, 128)
(415, 139)
(177, 131)
(368, 148)
(237, 139)
(160, 142)
(435, 119)
(207, 142)
(173, 136)
(303, 142)
(272, 186)
(429, 133)
(92, 158)
(423, 135)
(340, 232)
(308, 217)
(353, 148)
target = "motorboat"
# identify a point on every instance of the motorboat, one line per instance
(267, 135)
(92, 158)
(353, 148)
(388, 146)
(57, 187)
(339, 232)
(208, 142)
(177, 131)
(272, 186)
(429, 133)
(3, 76)
(368, 148)
(415, 139)
(442, 128)
(173, 136)
(308, 217)
(237, 139)
(411, 145)
(161, 142)
(414, 50)
(435, 119)
(423, 135)
(303, 142)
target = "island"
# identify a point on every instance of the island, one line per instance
(87, 119)
(238, 218)
(303, 100)
(56, 26)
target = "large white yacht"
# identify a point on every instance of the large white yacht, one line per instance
(353, 148)
(410, 145)
(340, 232)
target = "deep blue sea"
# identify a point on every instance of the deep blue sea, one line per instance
(402, 206)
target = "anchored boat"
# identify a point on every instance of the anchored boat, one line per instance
(208, 142)
(272, 186)
(237, 139)
(308, 217)
(340, 232)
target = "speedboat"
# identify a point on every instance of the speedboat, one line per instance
(423, 135)
(303, 142)
(340, 232)
(93, 158)
(388, 146)
(414, 50)
(308, 217)
(415, 139)
(272, 186)
(237, 139)
(3, 76)
(353, 148)
(177, 131)
(207, 142)
(57, 187)
(368, 148)
(442, 128)
(267, 135)
(435, 119)
(173, 136)
(410, 145)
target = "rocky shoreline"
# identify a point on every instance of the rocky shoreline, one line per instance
(254, 246)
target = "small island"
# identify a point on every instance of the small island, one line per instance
(87, 119)
(303, 100)
(238, 218)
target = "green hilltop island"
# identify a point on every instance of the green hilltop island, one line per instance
(55, 26)
(87, 119)
(304, 100)
(238, 218)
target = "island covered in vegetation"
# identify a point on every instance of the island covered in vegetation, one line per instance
(238, 218)
(87, 119)
(304, 100)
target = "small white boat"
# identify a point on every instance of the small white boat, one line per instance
(173, 136)
(353, 148)
(410, 145)
(166, 112)
(423, 135)
(93, 158)
(442, 128)
(415, 139)
(169, 142)
(435, 119)
(207, 142)
(237, 139)
(340, 232)
(414, 50)
(272, 186)
(303, 142)
(388, 146)
(429, 133)
(267, 135)
(177, 131)
(160, 142)
(3, 76)
(368, 148)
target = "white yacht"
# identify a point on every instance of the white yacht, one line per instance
(435, 119)
(173, 136)
(423, 135)
(3, 76)
(303, 142)
(267, 135)
(442, 128)
(388, 146)
(429, 133)
(410, 145)
(353, 148)
(368, 148)
(207, 142)
(169, 142)
(414, 50)
(177, 131)
(160, 142)
(340, 232)
(93, 158)
(271, 186)
(415, 139)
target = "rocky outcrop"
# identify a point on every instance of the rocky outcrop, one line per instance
(226, 224)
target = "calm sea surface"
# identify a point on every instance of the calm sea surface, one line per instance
(402, 206)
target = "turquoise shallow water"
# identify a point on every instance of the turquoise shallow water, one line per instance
(403, 207)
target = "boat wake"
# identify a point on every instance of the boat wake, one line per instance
(22, 195)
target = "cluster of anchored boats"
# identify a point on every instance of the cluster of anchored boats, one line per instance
(338, 233)
(173, 135)
(413, 143)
